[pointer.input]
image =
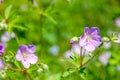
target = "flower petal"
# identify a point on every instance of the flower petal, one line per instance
(19, 55)
(32, 58)
(76, 48)
(23, 48)
(86, 30)
(82, 40)
(96, 43)
(25, 63)
(94, 30)
(31, 48)
(90, 47)
(2, 47)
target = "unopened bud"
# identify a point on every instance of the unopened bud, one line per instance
(45, 67)
(74, 40)
(105, 39)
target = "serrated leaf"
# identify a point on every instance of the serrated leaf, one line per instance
(82, 73)
(82, 70)
(17, 64)
(49, 17)
(83, 76)
(7, 11)
(21, 26)
(68, 72)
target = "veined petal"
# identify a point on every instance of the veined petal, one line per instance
(96, 43)
(32, 58)
(86, 30)
(26, 63)
(2, 47)
(90, 47)
(76, 48)
(94, 30)
(32, 48)
(23, 48)
(82, 40)
(19, 55)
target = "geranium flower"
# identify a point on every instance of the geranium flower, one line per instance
(105, 57)
(7, 37)
(0, 1)
(26, 55)
(90, 39)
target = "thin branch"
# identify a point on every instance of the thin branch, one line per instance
(17, 70)
(81, 57)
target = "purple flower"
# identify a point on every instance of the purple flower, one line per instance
(0, 1)
(1, 64)
(104, 57)
(117, 22)
(6, 36)
(90, 39)
(2, 48)
(26, 55)
(118, 68)
(68, 54)
(54, 50)
(107, 45)
(76, 49)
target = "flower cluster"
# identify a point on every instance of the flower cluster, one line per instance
(87, 42)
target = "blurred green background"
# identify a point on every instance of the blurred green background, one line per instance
(50, 26)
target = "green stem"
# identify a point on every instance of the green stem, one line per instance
(21, 70)
(81, 57)
(17, 39)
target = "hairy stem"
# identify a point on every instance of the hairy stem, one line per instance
(81, 57)
(16, 37)
(17, 70)
(21, 70)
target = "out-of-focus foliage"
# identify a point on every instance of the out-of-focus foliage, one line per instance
(48, 23)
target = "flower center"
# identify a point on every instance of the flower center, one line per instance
(88, 38)
(24, 55)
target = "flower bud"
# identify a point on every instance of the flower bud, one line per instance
(45, 67)
(74, 40)
(105, 39)
(40, 70)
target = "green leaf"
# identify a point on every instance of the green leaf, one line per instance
(68, 72)
(7, 11)
(21, 26)
(82, 73)
(1, 17)
(10, 29)
(17, 64)
(48, 16)
(81, 70)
